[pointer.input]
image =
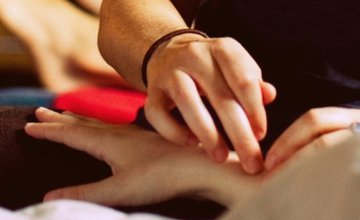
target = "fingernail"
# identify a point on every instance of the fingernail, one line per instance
(253, 165)
(220, 154)
(271, 161)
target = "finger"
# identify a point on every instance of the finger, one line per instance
(240, 133)
(308, 127)
(47, 115)
(157, 112)
(232, 117)
(238, 129)
(243, 76)
(87, 120)
(81, 117)
(73, 135)
(326, 141)
(197, 117)
(268, 92)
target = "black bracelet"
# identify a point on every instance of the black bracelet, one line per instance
(157, 43)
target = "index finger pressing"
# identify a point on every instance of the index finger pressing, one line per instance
(243, 76)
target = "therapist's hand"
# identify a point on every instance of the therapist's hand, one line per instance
(311, 129)
(190, 66)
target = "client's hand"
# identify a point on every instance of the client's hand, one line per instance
(305, 130)
(146, 168)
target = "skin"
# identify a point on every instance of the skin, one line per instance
(64, 52)
(134, 163)
(311, 125)
(188, 170)
(183, 69)
(187, 67)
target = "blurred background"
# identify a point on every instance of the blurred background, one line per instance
(16, 66)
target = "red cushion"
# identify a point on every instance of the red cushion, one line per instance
(107, 104)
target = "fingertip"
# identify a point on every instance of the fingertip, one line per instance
(260, 133)
(30, 129)
(43, 114)
(253, 165)
(29, 125)
(41, 110)
(220, 154)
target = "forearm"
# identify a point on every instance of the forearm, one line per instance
(128, 28)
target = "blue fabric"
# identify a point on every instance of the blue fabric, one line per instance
(22, 96)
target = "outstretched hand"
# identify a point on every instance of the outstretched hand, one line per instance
(146, 168)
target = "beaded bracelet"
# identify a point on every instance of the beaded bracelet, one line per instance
(157, 43)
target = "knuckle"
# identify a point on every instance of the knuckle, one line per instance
(256, 70)
(182, 97)
(243, 147)
(247, 80)
(225, 42)
(313, 117)
(321, 142)
(223, 46)
(194, 50)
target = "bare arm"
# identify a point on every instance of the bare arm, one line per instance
(128, 28)
(223, 70)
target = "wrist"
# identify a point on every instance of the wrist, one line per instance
(224, 183)
(163, 41)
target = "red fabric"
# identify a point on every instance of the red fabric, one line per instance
(107, 104)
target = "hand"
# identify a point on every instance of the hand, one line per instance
(189, 66)
(65, 52)
(138, 159)
(310, 126)
(312, 184)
